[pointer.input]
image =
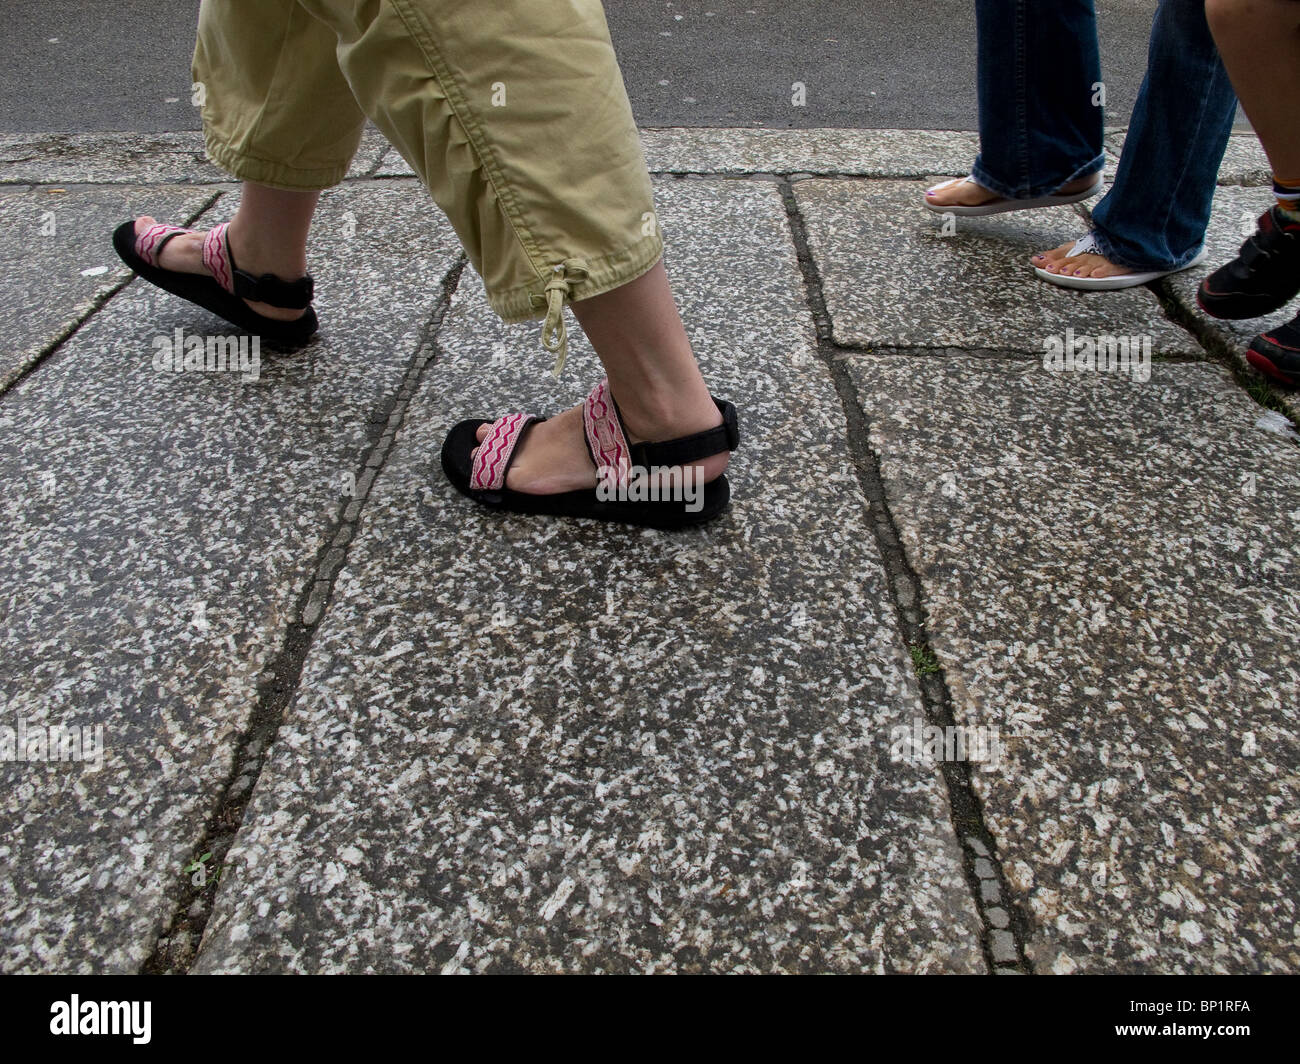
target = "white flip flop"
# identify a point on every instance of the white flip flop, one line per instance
(1088, 246)
(1004, 206)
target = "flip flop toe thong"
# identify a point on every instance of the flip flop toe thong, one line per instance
(649, 484)
(224, 292)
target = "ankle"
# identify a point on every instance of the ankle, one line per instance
(654, 416)
(253, 254)
(1287, 192)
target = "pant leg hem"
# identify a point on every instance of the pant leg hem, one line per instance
(272, 172)
(1108, 249)
(528, 302)
(983, 177)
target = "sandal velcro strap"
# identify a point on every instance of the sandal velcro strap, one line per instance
(614, 456)
(268, 289)
(603, 428)
(687, 449)
(274, 291)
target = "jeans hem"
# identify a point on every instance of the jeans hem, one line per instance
(983, 177)
(1107, 246)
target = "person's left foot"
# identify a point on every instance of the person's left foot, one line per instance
(1060, 261)
(184, 254)
(1276, 353)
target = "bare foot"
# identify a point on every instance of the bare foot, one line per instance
(184, 254)
(552, 456)
(1059, 260)
(969, 193)
(961, 194)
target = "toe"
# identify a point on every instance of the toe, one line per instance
(1051, 260)
(144, 222)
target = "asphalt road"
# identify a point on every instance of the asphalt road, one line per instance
(81, 65)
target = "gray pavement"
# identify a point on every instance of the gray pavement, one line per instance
(414, 736)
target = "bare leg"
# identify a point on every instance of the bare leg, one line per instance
(638, 335)
(1259, 41)
(267, 235)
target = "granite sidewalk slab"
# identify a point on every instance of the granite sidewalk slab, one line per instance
(895, 275)
(1110, 571)
(57, 264)
(521, 746)
(161, 527)
(132, 158)
(865, 152)
(528, 745)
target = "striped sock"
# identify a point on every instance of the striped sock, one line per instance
(1288, 197)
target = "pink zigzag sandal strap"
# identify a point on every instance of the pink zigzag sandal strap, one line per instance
(495, 453)
(604, 433)
(615, 457)
(659, 496)
(216, 256)
(149, 244)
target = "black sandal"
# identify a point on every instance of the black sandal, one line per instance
(647, 484)
(225, 291)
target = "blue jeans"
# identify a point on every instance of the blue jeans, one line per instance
(1041, 125)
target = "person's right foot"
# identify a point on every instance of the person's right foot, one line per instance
(1264, 276)
(1276, 353)
(184, 254)
(553, 458)
(1089, 264)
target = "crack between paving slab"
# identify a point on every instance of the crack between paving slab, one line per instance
(178, 945)
(1006, 928)
(96, 305)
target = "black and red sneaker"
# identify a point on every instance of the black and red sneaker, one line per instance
(1264, 276)
(1276, 353)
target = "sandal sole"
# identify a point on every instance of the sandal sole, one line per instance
(1115, 284)
(1007, 206)
(666, 516)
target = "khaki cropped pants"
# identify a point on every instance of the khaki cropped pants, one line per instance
(513, 113)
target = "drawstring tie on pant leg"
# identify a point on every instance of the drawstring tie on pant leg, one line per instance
(555, 337)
